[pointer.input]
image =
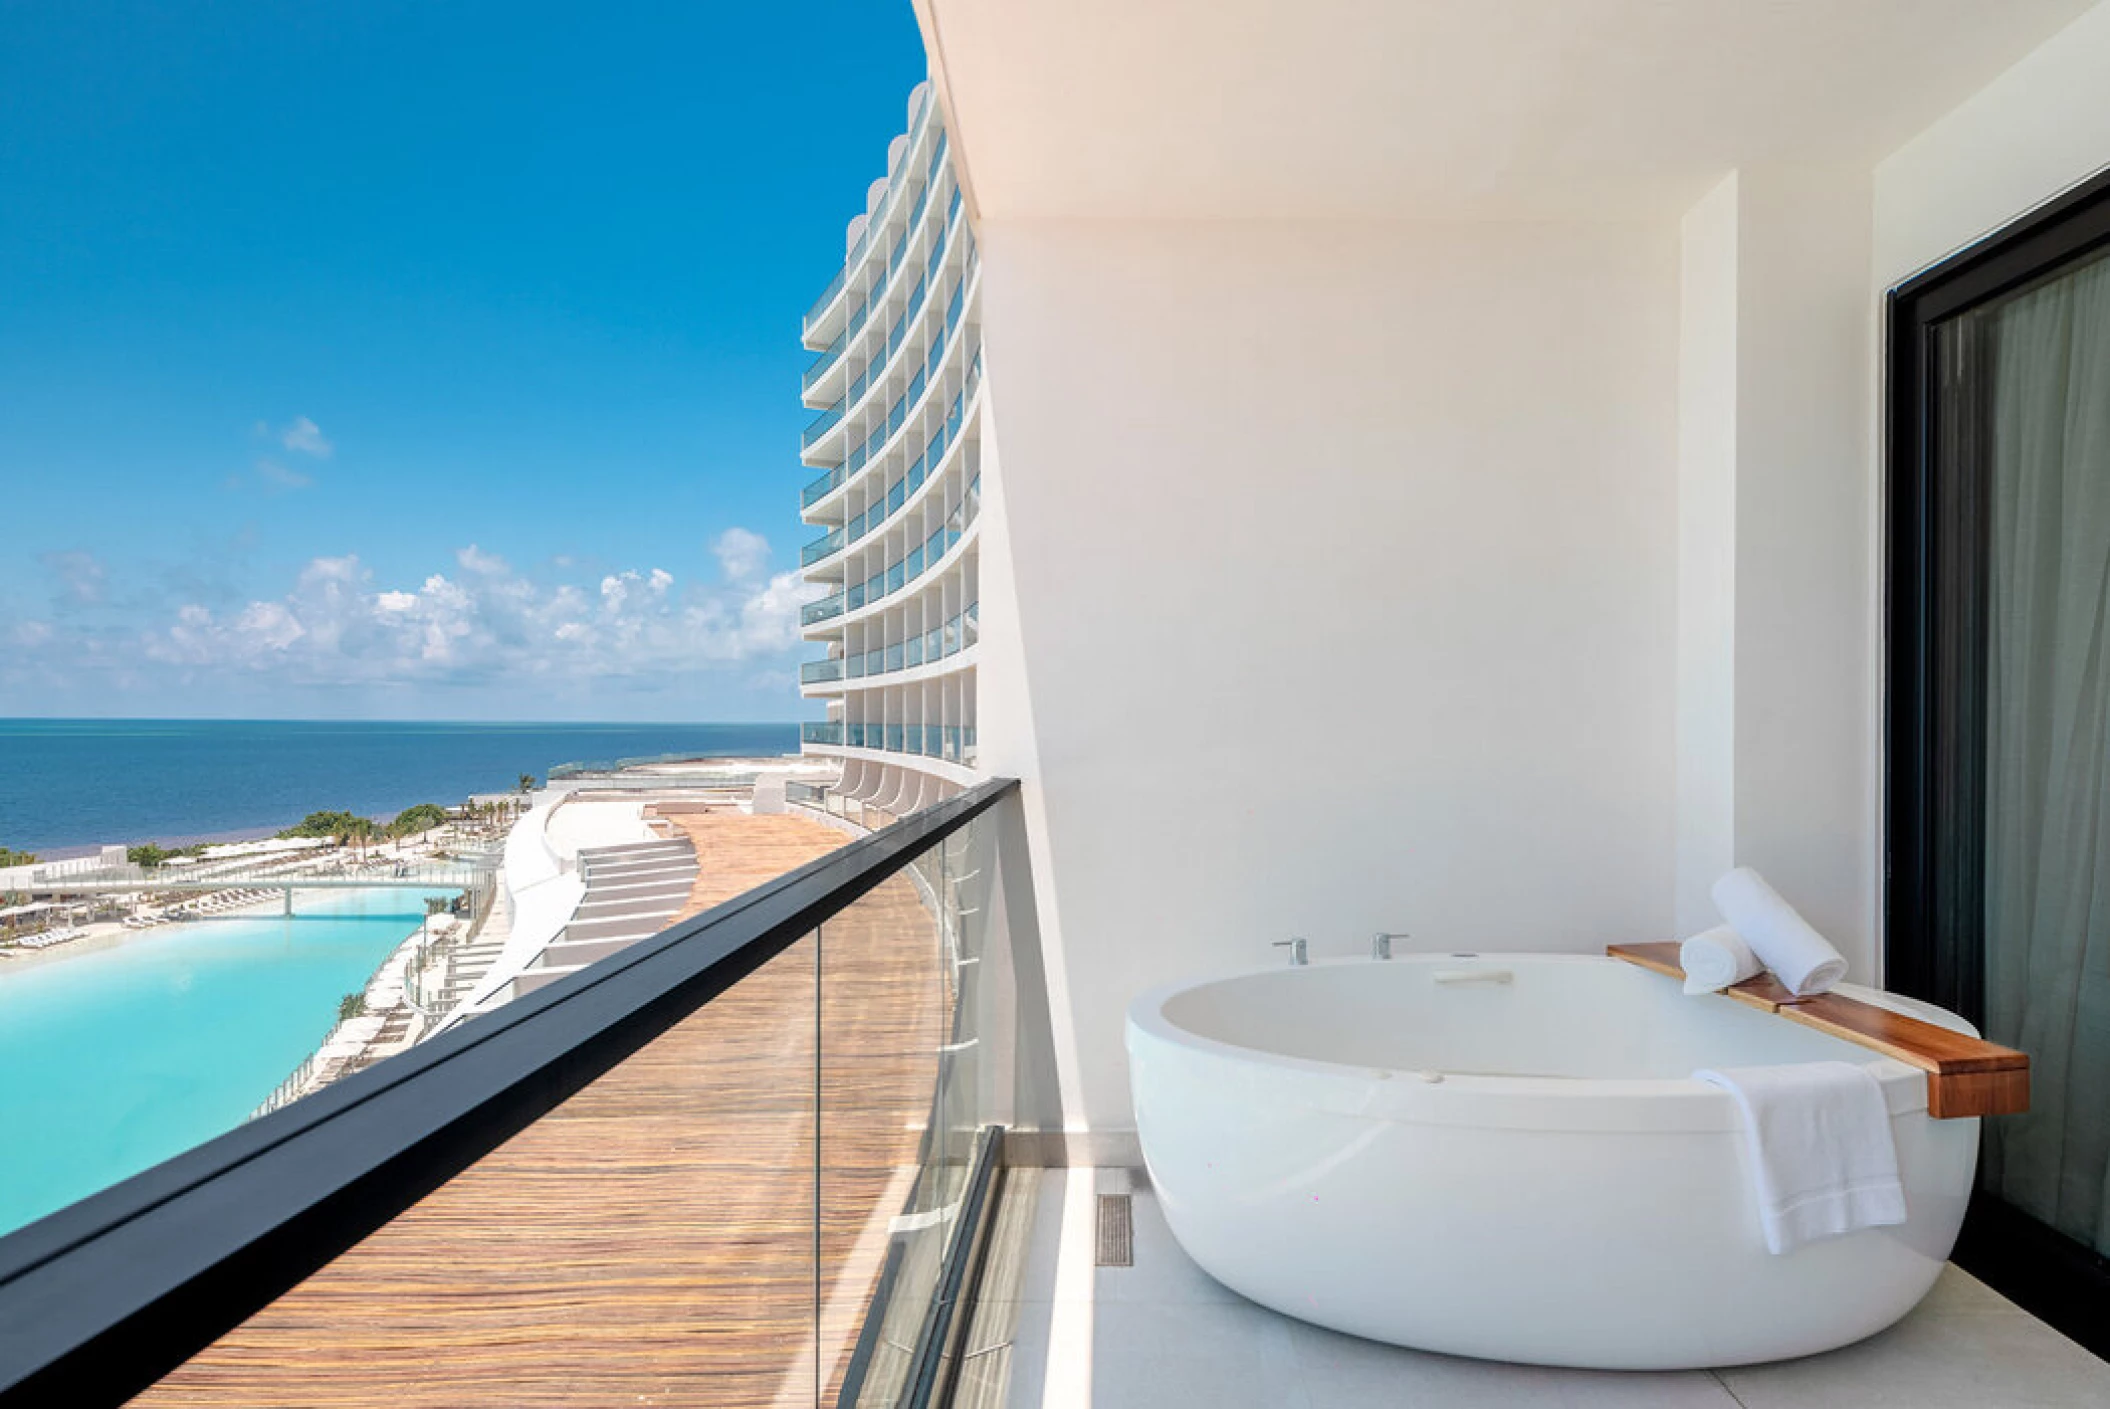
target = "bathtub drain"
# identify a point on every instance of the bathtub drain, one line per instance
(1117, 1247)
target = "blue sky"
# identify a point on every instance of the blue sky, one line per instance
(418, 360)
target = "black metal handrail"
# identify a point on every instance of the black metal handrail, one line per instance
(104, 1297)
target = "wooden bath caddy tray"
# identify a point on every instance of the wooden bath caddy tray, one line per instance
(1966, 1076)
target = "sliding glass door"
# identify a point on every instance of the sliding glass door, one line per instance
(2000, 725)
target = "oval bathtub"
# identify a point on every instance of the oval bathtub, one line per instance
(1417, 1152)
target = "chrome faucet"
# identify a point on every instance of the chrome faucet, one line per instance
(1299, 951)
(1381, 943)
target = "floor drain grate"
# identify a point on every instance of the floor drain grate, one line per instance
(1117, 1230)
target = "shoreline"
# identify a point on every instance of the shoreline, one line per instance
(104, 935)
(262, 831)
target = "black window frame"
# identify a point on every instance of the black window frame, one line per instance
(1933, 773)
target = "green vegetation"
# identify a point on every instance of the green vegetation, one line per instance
(341, 827)
(149, 855)
(527, 782)
(421, 818)
(352, 1005)
(16, 858)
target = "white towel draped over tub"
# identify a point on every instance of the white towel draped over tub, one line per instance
(1784, 942)
(1715, 959)
(1821, 1152)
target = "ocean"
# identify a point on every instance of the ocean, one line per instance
(71, 784)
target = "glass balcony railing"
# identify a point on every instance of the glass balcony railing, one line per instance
(825, 609)
(891, 420)
(819, 672)
(732, 1160)
(821, 547)
(878, 220)
(821, 488)
(818, 368)
(828, 731)
(822, 424)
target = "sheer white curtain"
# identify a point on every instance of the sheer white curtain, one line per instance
(2048, 741)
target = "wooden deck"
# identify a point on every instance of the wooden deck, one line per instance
(652, 1241)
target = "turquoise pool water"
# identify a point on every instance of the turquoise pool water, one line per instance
(113, 1061)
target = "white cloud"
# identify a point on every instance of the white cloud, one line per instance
(742, 555)
(337, 626)
(81, 577)
(277, 476)
(306, 438)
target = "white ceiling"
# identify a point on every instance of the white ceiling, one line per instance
(1441, 109)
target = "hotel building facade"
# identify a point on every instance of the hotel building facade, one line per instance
(897, 381)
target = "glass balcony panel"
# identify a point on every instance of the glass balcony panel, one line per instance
(893, 417)
(894, 658)
(890, 1009)
(875, 586)
(820, 305)
(821, 547)
(823, 423)
(582, 1254)
(818, 368)
(914, 651)
(915, 474)
(897, 496)
(854, 667)
(824, 609)
(915, 561)
(857, 528)
(854, 598)
(893, 738)
(971, 626)
(896, 577)
(814, 672)
(824, 731)
(820, 489)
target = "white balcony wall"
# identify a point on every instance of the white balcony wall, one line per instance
(1344, 560)
(2035, 130)
(1501, 582)
(1778, 688)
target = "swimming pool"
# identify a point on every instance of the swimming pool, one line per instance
(113, 1061)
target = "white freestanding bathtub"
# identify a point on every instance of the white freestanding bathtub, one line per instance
(1427, 1152)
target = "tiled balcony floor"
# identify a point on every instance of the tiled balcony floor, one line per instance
(1055, 1331)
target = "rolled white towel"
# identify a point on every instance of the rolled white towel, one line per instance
(1799, 957)
(1716, 958)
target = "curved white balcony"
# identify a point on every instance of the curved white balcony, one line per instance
(863, 408)
(925, 152)
(948, 438)
(824, 501)
(898, 586)
(933, 219)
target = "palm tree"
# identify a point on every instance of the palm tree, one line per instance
(527, 784)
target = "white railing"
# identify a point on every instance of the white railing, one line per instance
(289, 1090)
